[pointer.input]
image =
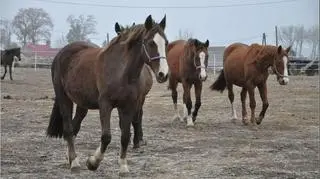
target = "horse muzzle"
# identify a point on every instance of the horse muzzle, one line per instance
(161, 77)
(283, 81)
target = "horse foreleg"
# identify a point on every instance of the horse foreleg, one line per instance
(5, 72)
(265, 103)
(244, 109)
(231, 99)
(105, 109)
(127, 115)
(79, 116)
(174, 95)
(187, 103)
(197, 91)
(137, 127)
(252, 104)
(10, 71)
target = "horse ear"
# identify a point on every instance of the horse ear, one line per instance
(288, 49)
(207, 44)
(196, 42)
(163, 22)
(117, 28)
(133, 24)
(279, 49)
(148, 23)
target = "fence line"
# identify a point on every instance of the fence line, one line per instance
(43, 59)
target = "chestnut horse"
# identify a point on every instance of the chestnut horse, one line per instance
(247, 67)
(188, 61)
(103, 79)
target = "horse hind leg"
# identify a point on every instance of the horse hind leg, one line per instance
(231, 99)
(174, 95)
(10, 71)
(66, 107)
(79, 116)
(5, 72)
(244, 109)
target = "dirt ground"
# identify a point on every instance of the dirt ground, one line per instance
(285, 145)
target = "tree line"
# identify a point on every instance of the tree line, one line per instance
(34, 25)
(298, 36)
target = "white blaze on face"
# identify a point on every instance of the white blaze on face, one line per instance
(203, 73)
(285, 70)
(161, 44)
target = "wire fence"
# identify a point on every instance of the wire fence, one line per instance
(43, 59)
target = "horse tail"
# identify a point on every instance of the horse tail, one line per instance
(55, 127)
(220, 84)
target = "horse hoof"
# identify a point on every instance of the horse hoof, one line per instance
(123, 170)
(75, 165)
(177, 118)
(190, 122)
(245, 122)
(92, 164)
(258, 122)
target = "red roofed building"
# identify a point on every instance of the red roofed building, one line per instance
(41, 51)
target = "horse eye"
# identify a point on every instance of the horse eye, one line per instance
(152, 44)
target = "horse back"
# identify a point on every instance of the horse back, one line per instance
(233, 63)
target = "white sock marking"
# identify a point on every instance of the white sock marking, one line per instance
(234, 112)
(123, 165)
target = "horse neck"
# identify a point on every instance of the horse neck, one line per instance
(134, 64)
(266, 60)
(188, 59)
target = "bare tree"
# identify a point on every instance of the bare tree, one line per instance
(5, 33)
(312, 37)
(184, 35)
(299, 36)
(287, 36)
(32, 24)
(81, 27)
(61, 42)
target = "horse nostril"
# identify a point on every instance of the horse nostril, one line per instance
(161, 75)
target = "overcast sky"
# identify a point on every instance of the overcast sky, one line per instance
(224, 22)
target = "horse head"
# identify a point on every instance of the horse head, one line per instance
(200, 57)
(280, 65)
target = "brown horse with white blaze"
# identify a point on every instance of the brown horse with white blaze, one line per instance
(104, 79)
(188, 61)
(247, 67)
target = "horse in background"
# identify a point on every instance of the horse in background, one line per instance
(247, 67)
(188, 61)
(7, 59)
(103, 79)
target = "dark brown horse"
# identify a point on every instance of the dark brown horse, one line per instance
(188, 61)
(247, 67)
(107, 78)
(7, 58)
(137, 122)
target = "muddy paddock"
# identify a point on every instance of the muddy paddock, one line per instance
(285, 145)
